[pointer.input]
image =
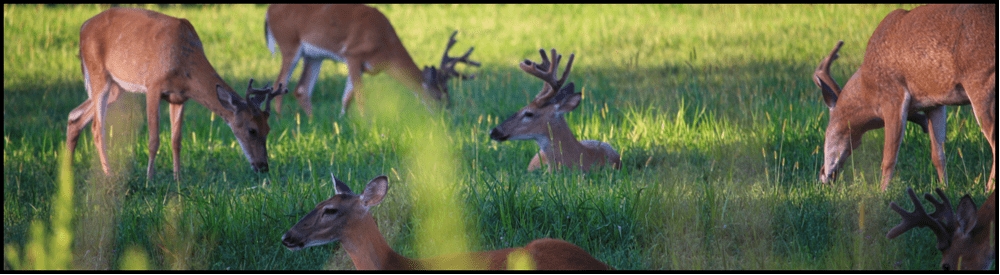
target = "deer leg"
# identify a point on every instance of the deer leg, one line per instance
(97, 128)
(304, 90)
(936, 124)
(289, 58)
(176, 123)
(537, 161)
(78, 118)
(894, 126)
(984, 105)
(153, 118)
(354, 72)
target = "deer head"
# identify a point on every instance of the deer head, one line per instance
(249, 120)
(531, 122)
(334, 218)
(436, 80)
(847, 124)
(963, 237)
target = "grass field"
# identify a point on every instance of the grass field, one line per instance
(711, 107)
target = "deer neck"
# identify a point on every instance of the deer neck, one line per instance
(559, 144)
(201, 89)
(369, 250)
(405, 70)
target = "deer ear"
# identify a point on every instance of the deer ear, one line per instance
(229, 100)
(567, 100)
(966, 215)
(340, 187)
(375, 191)
(829, 96)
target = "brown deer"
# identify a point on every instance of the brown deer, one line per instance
(345, 218)
(916, 61)
(542, 120)
(967, 239)
(149, 52)
(357, 35)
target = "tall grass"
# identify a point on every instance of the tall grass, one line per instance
(711, 107)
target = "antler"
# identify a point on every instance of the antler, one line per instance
(264, 95)
(448, 63)
(823, 79)
(920, 218)
(548, 75)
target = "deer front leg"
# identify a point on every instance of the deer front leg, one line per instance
(936, 124)
(153, 118)
(984, 105)
(176, 123)
(304, 90)
(289, 58)
(537, 161)
(894, 126)
(354, 73)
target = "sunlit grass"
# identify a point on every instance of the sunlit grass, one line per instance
(711, 107)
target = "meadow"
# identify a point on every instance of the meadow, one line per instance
(711, 107)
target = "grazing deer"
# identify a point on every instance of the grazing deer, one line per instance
(149, 52)
(357, 35)
(918, 60)
(345, 218)
(967, 239)
(542, 120)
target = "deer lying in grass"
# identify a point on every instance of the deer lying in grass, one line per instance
(149, 52)
(542, 120)
(918, 60)
(967, 239)
(345, 218)
(357, 35)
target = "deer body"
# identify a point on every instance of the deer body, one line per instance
(357, 35)
(966, 238)
(542, 120)
(916, 61)
(345, 218)
(148, 52)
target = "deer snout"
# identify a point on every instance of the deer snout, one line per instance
(497, 135)
(825, 177)
(291, 244)
(260, 167)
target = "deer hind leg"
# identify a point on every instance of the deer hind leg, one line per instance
(936, 123)
(78, 118)
(537, 161)
(304, 90)
(153, 118)
(984, 105)
(176, 123)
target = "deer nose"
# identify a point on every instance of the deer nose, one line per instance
(290, 244)
(260, 167)
(497, 135)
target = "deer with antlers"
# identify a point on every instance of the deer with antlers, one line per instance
(345, 218)
(149, 52)
(916, 61)
(359, 36)
(542, 120)
(967, 238)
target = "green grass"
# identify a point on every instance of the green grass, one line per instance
(711, 107)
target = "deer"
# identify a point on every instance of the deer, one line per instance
(920, 60)
(345, 218)
(542, 120)
(966, 239)
(359, 36)
(161, 56)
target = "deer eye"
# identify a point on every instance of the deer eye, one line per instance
(330, 211)
(529, 114)
(253, 132)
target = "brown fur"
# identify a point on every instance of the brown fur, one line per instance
(144, 51)
(916, 61)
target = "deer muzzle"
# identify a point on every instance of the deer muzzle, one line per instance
(260, 167)
(497, 135)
